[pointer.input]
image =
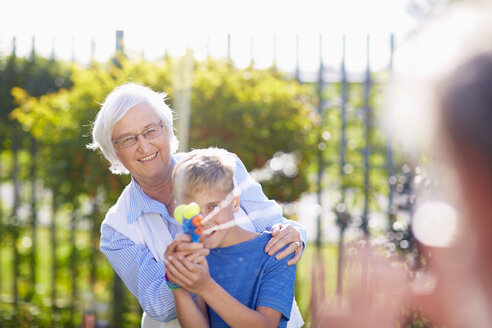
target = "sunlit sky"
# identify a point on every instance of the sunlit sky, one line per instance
(151, 27)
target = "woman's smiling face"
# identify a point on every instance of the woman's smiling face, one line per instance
(149, 160)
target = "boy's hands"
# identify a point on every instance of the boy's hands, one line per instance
(186, 264)
(182, 246)
(192, 276)
(281, 236)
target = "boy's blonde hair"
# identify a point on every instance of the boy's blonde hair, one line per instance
(203, 169)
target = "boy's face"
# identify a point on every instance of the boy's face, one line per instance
(208, 200)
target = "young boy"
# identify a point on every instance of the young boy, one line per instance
(238, 284)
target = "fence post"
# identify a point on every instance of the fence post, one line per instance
(320, 148)
(54, 264)
(182, 83)
(74, 259)
(2, 229)
(228, 46)
(34, 214)
(251, 52)
(14, 217)
(367, 125)
(15, 147)
(274, 63)
(297, 74)
(367, 133)
(389, 148)
(341, 212)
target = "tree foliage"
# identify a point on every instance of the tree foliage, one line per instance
(255, 114)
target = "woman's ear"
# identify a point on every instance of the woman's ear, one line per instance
(235, 203)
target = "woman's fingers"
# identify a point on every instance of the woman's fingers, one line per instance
(295, 247)
(281, 236)
(171, 248)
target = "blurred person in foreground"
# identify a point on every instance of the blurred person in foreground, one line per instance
(458, 292)
(134, 131)
(238, 284)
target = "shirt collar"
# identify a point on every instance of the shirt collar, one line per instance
(141, 203)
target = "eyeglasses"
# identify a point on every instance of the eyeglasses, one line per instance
(151, 132)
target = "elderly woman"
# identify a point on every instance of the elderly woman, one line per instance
(134, 131)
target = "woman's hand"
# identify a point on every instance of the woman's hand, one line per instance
(281, 236)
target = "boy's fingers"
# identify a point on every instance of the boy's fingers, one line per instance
(179, 247)
(176, 272)
(171, 248)
(198, 254)
(181, 243)
(171, 272)
(188, 247)
(200, 260)
(190, 266)
(178, 264)
(183, 237)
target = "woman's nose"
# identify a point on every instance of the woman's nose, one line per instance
(143, 144)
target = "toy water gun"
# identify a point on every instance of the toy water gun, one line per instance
(189, 215)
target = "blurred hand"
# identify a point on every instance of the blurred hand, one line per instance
(449, 294)
(377, 290)
(281, 236)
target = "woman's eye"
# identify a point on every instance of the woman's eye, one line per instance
(151, 131)
(127, 140)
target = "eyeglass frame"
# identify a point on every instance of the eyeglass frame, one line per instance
(160, 125)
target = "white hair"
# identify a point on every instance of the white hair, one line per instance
(115, 107)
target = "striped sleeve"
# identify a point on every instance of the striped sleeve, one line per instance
(141, 273)
(263, 212)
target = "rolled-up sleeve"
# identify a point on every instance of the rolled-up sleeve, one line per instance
(141, 273)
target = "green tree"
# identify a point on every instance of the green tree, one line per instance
(39, 76)
(255, 114)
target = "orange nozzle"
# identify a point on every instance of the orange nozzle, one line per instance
(197, 220)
